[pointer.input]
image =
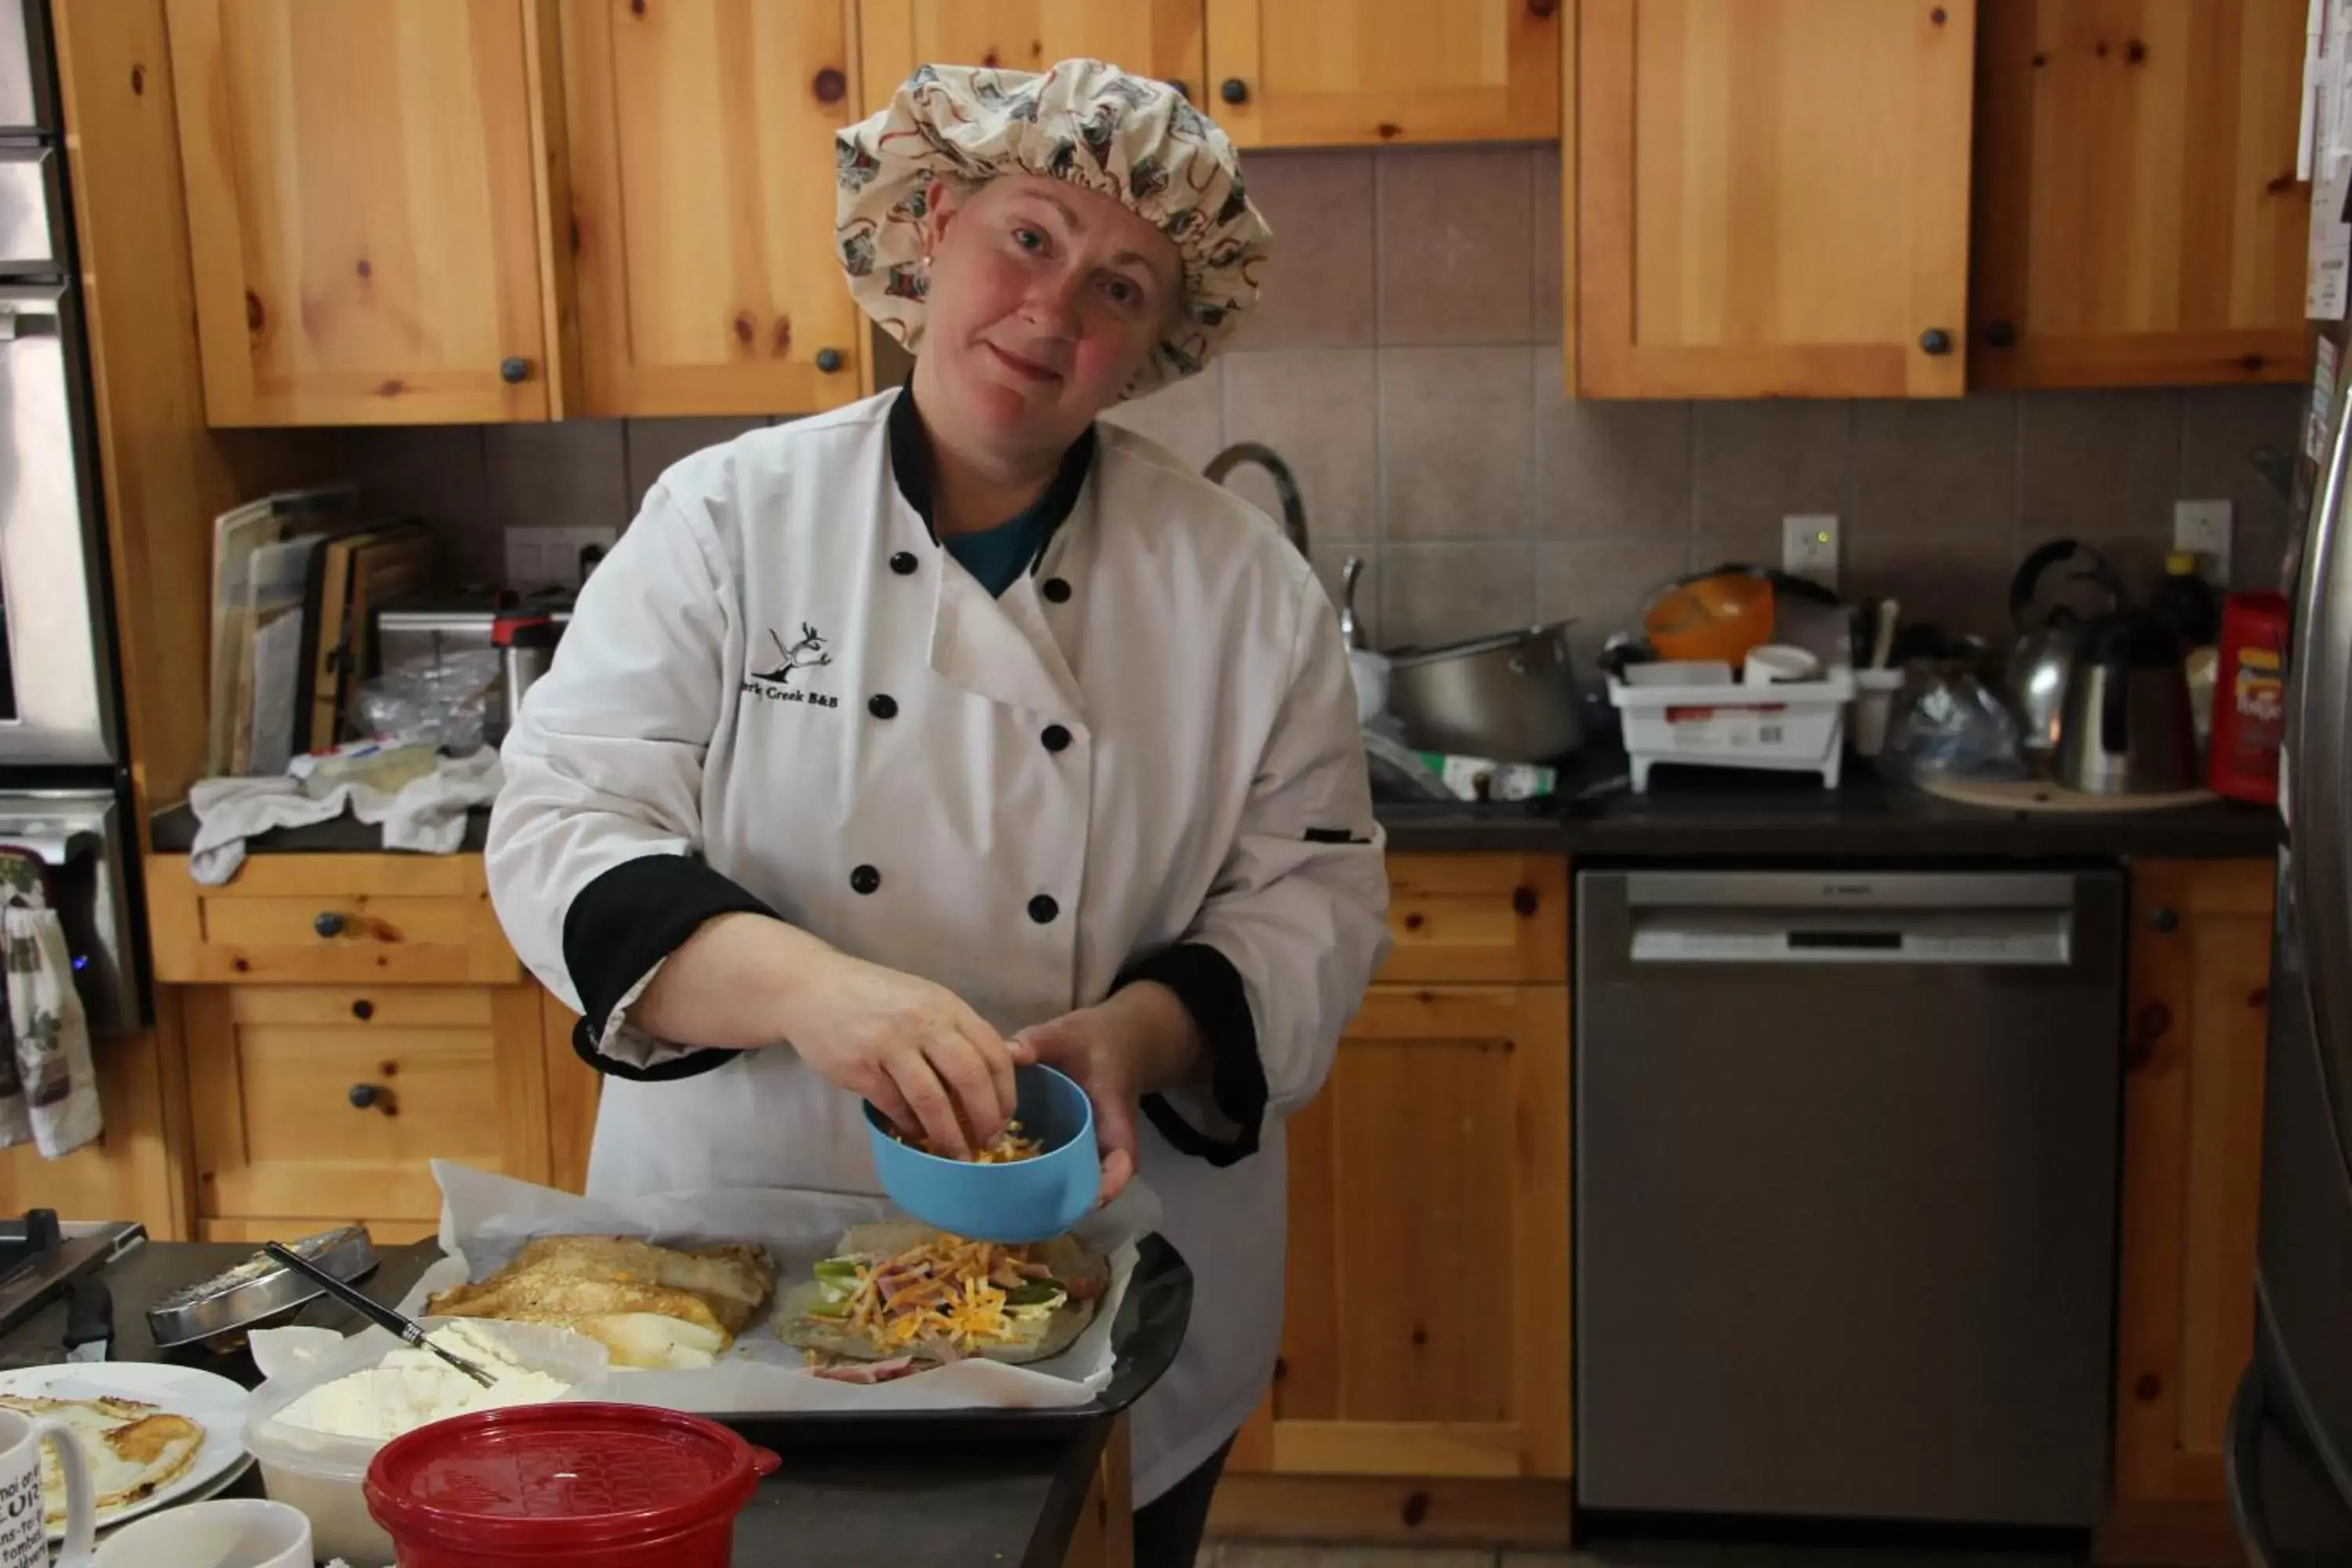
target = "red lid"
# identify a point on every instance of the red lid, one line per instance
(504, 629)
(550, 1476)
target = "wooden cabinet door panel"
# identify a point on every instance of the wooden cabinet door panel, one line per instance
(2195, 1036)
(2137, 214)
(1148, 37)
(450, 1073)
(363, 210)
(1477, 918)
(1335, 72)
(700, 147)
(376, 919)
(1427, 1326)
(1773, 197)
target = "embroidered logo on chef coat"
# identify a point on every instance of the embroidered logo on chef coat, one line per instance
(776, 684)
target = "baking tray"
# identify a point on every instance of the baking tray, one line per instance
(1145, 1337)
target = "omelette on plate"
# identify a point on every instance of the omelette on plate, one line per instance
(134, 1449)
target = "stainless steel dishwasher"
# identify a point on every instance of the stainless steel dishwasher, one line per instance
(1845, 1174)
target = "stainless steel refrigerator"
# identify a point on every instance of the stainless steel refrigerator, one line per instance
(2289, 1458)
(64, 769)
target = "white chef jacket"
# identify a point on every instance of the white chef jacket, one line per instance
(778, 692)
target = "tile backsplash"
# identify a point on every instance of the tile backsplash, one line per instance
(1406, 363)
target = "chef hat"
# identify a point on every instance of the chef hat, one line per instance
(1132, 138)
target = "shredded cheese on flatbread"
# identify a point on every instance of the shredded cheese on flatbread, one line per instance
(945, 1292)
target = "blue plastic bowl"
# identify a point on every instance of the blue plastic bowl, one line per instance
(1027, 1200)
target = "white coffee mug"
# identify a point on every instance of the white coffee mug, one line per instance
(24, 1531)
(222, 1533)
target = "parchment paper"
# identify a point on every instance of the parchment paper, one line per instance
(486, 1219)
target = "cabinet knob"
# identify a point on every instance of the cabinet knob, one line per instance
(365, 1096)
(514, 370)
(1184, 89)
(2000, 334)
(1936, 341)
(2163, 919)
(327, 923)
(828, 360)
(362, 1009)
(1234, 90)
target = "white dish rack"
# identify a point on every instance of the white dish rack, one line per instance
(1696, 712)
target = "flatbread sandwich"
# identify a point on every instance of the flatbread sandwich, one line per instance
(134, 1449)
(902, 1296)
(649, 1306)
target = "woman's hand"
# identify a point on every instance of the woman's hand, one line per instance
(924, 1059)
(1139, 1041)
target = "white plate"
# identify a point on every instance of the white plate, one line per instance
(212, 1402)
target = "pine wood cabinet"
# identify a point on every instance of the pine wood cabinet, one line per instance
(1151, 37)
(1426, 1328)
(1304, 73)
(363, 210)
(2192, 1135)
(1771, 197)
(701, 203)
(2138, 216)
(330, 1100)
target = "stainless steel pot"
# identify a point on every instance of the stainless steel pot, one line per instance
(1511, 697)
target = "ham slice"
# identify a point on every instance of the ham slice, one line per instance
(869, 1371)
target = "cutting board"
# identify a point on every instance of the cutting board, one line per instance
(2040, 795)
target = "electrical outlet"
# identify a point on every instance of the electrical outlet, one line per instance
(550, 557)
(2202, 528)
(1809, 546)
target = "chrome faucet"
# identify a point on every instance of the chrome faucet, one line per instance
(1285, 484)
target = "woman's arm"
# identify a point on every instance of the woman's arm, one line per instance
(594, 860)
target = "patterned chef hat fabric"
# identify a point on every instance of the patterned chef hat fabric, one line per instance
(1132, 138)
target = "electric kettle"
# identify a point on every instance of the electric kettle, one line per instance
(2126, 727)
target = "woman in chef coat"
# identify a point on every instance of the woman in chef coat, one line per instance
(952, 729)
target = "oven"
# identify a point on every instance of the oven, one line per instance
(64, 792)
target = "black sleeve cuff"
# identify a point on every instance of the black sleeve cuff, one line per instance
(1210, 988)
(623, 923)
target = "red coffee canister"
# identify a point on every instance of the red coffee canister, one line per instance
(2241, 757)
(585, 1485)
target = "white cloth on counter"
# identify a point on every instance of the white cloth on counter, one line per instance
(49, 1084)
(427, 814)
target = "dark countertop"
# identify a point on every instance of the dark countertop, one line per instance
(1689, 814)
(949, 1505)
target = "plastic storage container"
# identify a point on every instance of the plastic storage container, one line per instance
(321, 1474)
(581, 1485)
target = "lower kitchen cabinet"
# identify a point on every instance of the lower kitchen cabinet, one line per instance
(1426, 1332)
(2194, 1036)
(329, 1101)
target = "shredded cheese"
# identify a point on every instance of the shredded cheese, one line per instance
(943, 1292)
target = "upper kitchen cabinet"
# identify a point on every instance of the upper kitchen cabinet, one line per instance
(1306, 73)
(2137, 214)
(1149, 37)
(1771, 198)
(700, 154)
(363, 210)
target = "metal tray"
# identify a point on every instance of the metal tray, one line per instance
(257, 1290)
(1145, 1337)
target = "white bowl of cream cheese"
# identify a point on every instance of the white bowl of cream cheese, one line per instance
(329, 1404)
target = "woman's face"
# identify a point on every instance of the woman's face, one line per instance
(1044, 301)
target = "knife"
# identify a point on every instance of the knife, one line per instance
(90, 1318)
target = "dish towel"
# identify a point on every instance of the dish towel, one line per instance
(427, 814)
(48, 1085)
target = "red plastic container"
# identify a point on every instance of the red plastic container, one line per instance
(2242, 755)
(585, 1484)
